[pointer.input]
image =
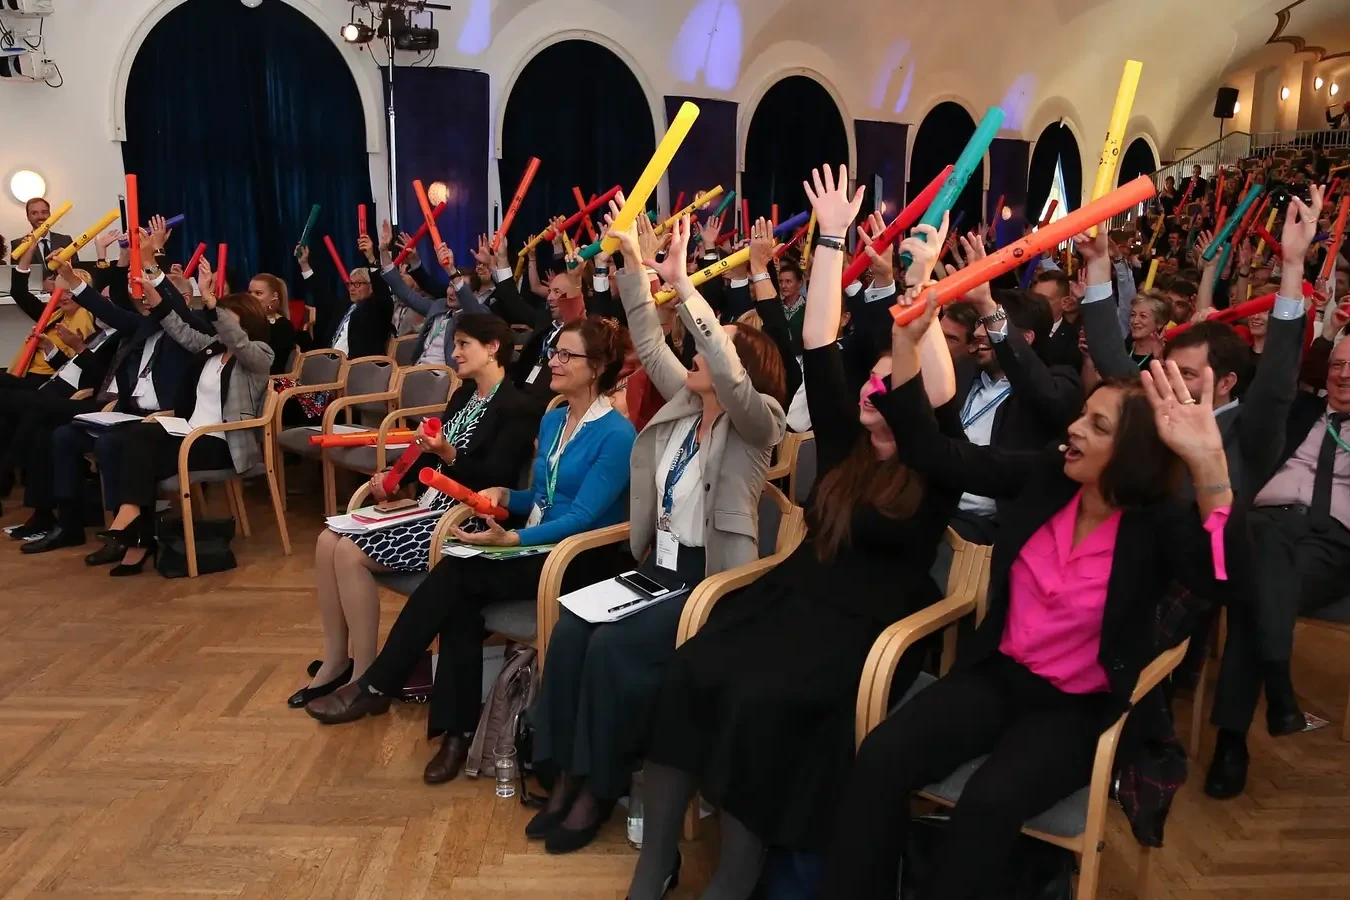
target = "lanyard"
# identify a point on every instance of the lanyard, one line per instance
(1336, 437)
(342, 326)
(688, 450)
(553, 462)
(464, 420)
(968, 420)
(548, 342)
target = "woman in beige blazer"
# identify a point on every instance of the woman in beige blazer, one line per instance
(697, 472)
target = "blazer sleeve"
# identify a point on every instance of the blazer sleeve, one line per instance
(468, 300)
(605, 482)
(954, 463)
(1106, 344)
(416, 300)
(426, 282)
(499, 462)
(255, 356)
(776, 327)
(757, 418)
(24, 298)
(281, 337)
(834, 416)
(663, 367)
(176, 302)
(1270, 397)
(106, 311)
(514, 309)
(1054, 394)
(1188, 548)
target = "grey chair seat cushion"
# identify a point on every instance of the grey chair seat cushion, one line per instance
(212, 476)
(1335, 612)
(400, 582)
(296, 440)
(1067, 818)
(513, 618)
(360, 459)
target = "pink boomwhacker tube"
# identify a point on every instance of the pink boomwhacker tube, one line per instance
(954, 287)
(431, 428)
(903, 221)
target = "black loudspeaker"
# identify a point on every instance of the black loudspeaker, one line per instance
(1224, 101)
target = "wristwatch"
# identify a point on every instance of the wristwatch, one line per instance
(997, 315)
(831, 243)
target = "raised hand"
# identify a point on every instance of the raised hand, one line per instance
(709, 231)
(105, 240)
(483, 254)
(386, 234)
(367, 248)
(72, 339)
(882, 261)
(66, 277)
(628, 237)
(761, 245)
(649, 242)
(1184, 424)
(159, 232)
(301, 256)
(151, 296)
(834, 210)
(924, 250)
(446, 257)
(672, 269)
(1300, 224)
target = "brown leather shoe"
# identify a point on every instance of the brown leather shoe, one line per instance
(347, 704)
(448, 761)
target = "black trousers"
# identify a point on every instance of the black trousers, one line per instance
(144, 454)
(17, 396)
(450, 602)
(1298, 570)
(34, 449)
(1041, 743)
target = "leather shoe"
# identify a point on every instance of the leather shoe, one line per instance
(347, 704)
(567, 840)
(448, 761)
(305, 694)
(110, 552)
(1227, 776)
(1282, 722)
(55, 539)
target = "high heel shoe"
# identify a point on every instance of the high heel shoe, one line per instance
(673, 879)
(306, 694)
(110, 552)
(123, 569)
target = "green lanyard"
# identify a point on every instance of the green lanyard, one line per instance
(551, 481)
(467, 417)
(1336, 437)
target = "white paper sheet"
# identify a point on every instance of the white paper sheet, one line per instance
(596, 603)
(104, 419)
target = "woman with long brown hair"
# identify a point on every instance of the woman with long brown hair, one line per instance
(270, 291)
(756, 710)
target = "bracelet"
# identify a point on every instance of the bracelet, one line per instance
(762, 276)
(832, 237)
(601, 270)
(830, 243)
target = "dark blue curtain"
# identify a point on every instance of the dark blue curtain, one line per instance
(443, 125)
(242, 119)
(1008, 161)
(881, 151)
(1138, 160)
(1055, 145)
(941, 137)
(591, 138)
(708, 155)
(796, 128)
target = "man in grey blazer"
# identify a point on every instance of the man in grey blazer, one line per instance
(38, 210)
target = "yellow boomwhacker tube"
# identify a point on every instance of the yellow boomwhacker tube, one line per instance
(40, 230)
(68, 253)
(699, 201)
(740, 257)
(1152, 274)
(1115, 132)
(636, 200)
(806, 247)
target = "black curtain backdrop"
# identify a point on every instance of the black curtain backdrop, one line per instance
(881, 151)
(593, 139)
(1138, 160)
(795, 128)
(942, 136)
(708, 155)
(1055, 144)
(242, 119)
(1008, 160)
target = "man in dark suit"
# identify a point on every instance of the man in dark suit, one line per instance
(1061, 344)
(38, 211)
(1197, 185)
(1300, 521)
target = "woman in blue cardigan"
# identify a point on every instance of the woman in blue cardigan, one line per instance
(580, 483)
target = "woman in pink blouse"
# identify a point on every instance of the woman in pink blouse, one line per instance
(1090, 538)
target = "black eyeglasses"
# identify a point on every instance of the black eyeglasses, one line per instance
(564, 356)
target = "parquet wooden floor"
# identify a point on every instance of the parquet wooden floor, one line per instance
(146, 750)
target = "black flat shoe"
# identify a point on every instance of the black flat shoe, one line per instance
(1227, 776)
(1286, 722)
(545, 822)
(306, 694)
(565, 840)
(110, 552)
(314, 667)
(55, 539)
(122, 570)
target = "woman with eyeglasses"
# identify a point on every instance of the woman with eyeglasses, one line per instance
(580, 483)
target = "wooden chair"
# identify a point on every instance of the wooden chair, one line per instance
(316, 371)
(802, 475)
(784, 456)
(403, 349)
(1078, 822)
(184, 482)
(419, 391)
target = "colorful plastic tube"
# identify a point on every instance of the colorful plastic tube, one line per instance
(1152, 274)
(134, 233)
(810, 235)
(337, 260)
(1230, 225)
(472, 499)
(67, 253)
(547, 234)
(796, 221)
(40, 231)
(427, 218)
(710, 272)
(417, 236)
(786, 245)
(1337, 237)
(531, 168)
(773, 216)
(698, 202)
(1242, 310)
(970, 159)
(194, 259)
(1049, 213)
(222, 254)
(901, 223)
(431, 428)
(585, 218)
(1263, 234)
(726, 201)
(360, 438)
(1092, 213)
(309, 225)
(168, 223)
(1115, 132)
(30, 346)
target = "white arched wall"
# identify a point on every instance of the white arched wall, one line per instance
(771, 67)
(1058, 109)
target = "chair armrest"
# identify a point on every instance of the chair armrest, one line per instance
(551, 578)
(454, 516)
(220, 427)
(154, 416)
(391, 420)
(358, 497)
(341, 403)
(1156, 671)
(84, 394)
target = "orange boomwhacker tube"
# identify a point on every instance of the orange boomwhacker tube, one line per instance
(903, 220)
(530, 169)
(359, 438)
(1040, 241)
(30, 346)
(134, 233)
(222, 252)
(1329, 267)
(1223, 217)
(475, 501)
(417, 236)
(427, 217)
(194, 259)
(1337, 236)
(337, 260)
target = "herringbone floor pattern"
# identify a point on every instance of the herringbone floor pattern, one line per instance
(146, 751)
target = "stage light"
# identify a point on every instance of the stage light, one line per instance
(357, 33)
(1007, 213)
(1317, 83)
(1335, 89)
(27, 184)
(1284, 93)
(438, 193)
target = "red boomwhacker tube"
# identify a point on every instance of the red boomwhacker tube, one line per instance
(30, 346)
(1049, 212)
(1251, 307)
(1337, 236)
(1253, 215)
(594, 204)
(1335, 183)
(903, 221)
(194, 259)
(1329, 267)
(475, 501)
(1218, 189)
(431, 428)
(222, 253)
(337, 260)
(773, 214)
(359, 438)
(954, 287)
(417, 236)
(1186, 195)
(1262, 234)
(427, 217)
(530, 169)
(360, 219)
(783, 247)
(679, 201)
(134, 233)
(1223, 217)
(582, 206)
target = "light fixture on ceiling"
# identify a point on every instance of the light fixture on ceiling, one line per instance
(26, 184)
(1317, 83)
(1335, 89)
(1284, 93)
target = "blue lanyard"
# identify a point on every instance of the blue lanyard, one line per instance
(968, 420)
(688, 450)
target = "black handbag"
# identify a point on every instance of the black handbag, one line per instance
(1036, 870)
(212, 537)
